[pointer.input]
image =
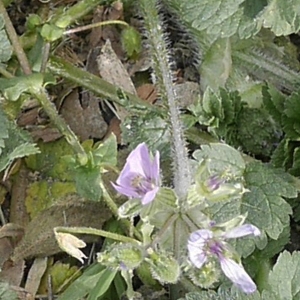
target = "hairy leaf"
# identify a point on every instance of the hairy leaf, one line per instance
(283, 17)
(15, 142)
(265, 205)
(284, 278)
(222, 157)
(291, 117)
(6, 48)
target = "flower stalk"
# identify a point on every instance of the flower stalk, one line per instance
(164, 80)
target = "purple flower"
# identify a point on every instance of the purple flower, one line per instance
(203, 245)
(140, 175)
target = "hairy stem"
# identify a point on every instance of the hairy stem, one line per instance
(165, 83)
(93, 231)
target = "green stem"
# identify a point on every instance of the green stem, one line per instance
(162, 231)
(114, 209)
(5, 73)
(93, 83)
(99, 232)
(13, 37)
(94, 25)
(58, 121)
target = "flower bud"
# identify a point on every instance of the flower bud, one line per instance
(206, 276)
(164, 268)
(121, 256)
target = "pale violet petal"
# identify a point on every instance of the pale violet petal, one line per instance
(127, 191)
(149, 197)
(237, 274)
(134, 160)
(197, 256)
(146, 161)
(243, 230)
(200, 237)
(155, 167)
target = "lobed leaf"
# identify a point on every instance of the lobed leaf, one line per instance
(265, 204)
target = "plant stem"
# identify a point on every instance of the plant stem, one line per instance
(94, 25)
(114, 209)
(94, 231)
(161, 232)
(14, 39)
(58, 121)
(164, 81)
(93, 83)
(5, 73)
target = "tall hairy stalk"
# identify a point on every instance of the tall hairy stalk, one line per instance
(164, 80)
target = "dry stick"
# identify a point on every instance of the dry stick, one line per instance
(15, 41)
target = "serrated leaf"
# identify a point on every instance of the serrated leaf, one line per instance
(291, 117)
(106, 152)
(282, 17)
(20, 151)
(212, 104)
(274, 102)
(222, 157)
(219, 17)
(285, 277)
(12, 88)
(87, 182)
(16, 141)
(148, 128)
(264, 203)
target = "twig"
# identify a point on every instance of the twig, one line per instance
(15, 41)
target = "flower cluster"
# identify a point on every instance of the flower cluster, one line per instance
(140, 181)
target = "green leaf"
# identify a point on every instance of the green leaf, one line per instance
(103, 284)
(15, 142)
(217, 64)
(105, 153)
(51, 32)
(222, 157)
(148, 128)
(4, 130)
(282, 17)
(83, 285)
(274, 102)
(219, 17)
(285, 277)
(88, 182)
(291, 117)
(12, 88)
(264, 203)
(6, 48)
(20, 151)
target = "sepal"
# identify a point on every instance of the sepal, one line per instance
(163, 267)
(206, 276)
(130, 208)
